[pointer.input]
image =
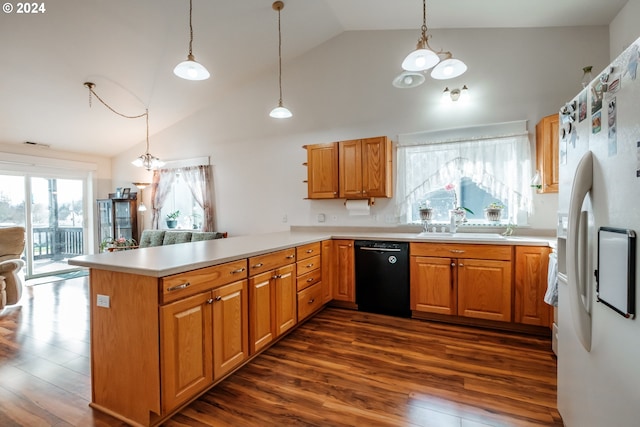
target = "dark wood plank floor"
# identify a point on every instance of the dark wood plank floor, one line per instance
(342, 368)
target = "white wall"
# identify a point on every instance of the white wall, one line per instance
(342, 90)
(623, 30)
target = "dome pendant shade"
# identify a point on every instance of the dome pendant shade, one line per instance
(280, 112)
(191, 70)
(449, 69)
(408, 79)
(420, 59)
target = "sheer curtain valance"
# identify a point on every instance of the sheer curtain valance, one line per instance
(499, 165)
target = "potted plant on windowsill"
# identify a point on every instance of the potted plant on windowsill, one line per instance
(172, 219)
(493, 212)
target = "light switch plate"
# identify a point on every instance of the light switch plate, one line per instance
(103, 301)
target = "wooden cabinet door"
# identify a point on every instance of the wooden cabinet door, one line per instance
(547, 154)
(262, 326)
(230, 327)
(376, 167)
(322, 171)
(484, 289)
(187, 345)
(433, 285)
(530, 286)
(344, 288)
(327, 271)
(350, 168)
(286, 313)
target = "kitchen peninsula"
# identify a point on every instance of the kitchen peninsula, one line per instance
(168, 323)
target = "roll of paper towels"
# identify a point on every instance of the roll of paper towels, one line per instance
(357, 207)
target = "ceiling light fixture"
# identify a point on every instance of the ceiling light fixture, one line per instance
(190, 69)
(424, 57)
(147, 160)
(280, 112)
(454, 94)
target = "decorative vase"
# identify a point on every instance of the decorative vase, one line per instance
(493, 214)
(172, 223)
(459, 214)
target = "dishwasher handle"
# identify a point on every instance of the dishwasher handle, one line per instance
(364, 248)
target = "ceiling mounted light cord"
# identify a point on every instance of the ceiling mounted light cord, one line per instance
(146, 160)
(280, 112)
(424, 57)
(191, 69)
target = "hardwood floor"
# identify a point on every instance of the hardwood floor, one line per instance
(341, 368)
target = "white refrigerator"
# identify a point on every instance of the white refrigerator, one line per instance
(598, 346)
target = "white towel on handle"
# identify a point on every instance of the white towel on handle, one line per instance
(551, 296)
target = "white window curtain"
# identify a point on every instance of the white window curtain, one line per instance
(499, 165)
(199, 179)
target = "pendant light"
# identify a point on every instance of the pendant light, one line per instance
(280, 112)
(146, 160)
(190, 69)
(424, 58)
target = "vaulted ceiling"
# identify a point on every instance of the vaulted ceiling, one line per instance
(129, 48)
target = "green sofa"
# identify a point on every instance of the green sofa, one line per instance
(170, 237)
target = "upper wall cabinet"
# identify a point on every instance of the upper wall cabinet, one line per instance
(322, 170)
(355, 169)
(547, 139)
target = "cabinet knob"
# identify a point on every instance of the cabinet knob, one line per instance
(210, 301)
(218, 298)
(310, 279)
(461, 265)
(309, 251)
(309, 265)
(312, 300)
(453, 264)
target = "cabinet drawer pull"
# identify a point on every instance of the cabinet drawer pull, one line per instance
(240, 270)
(218, 298)
(309, 265)
(178, 287)
(310, 279)
(210, 301)
(311, 301)
(277, 276)
(461, 265)
(456, 251)
(290, 256)
(258, 265)
(309, 251)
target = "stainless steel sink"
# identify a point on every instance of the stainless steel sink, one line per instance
(462, 236)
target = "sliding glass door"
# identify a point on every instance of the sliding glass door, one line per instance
(52, 210)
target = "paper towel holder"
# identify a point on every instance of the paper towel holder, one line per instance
(371, 200)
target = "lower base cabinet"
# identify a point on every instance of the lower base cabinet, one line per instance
(464, 280)
(530, 286)
(203, 338)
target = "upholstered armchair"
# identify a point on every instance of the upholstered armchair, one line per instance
(11, 247)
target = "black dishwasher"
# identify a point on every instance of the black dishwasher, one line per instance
(382, 277)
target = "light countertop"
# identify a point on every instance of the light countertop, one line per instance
(163, 261)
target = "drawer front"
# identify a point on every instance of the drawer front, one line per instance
(308, 279)
(307, 251)
(262, 263)
(452, 250)
(190, 283)
(309, 301)
(307, 265)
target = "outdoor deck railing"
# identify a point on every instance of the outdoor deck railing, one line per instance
(57, 243)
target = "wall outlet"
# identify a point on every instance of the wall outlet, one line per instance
(321, 217)
(334, 218)
(103, 301)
